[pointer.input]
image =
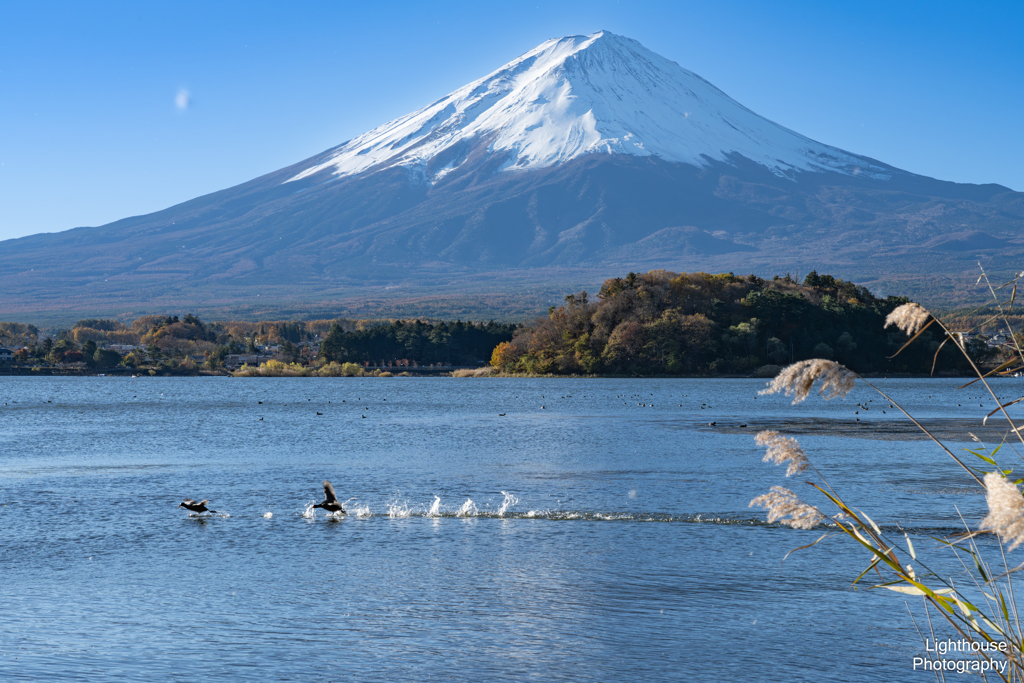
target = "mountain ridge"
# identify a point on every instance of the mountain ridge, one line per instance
(448, 215)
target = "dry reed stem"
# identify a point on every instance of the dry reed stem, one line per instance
(797, 379)
(783, 450)
(784, 507)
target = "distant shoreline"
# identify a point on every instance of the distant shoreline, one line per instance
(135, 373)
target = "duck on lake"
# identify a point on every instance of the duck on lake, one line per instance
(331, 503)
(193, 506)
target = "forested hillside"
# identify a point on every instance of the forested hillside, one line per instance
(700, 324)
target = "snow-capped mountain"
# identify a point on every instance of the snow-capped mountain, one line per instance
(586, 158)
(568, 97)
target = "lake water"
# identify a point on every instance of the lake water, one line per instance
(499, 529)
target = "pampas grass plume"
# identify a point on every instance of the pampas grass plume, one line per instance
(796, 379)
(784, 507)
(783, 450)
(1005, 510)
(909, 318)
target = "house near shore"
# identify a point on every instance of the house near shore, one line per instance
(997, 340)
(122, 348)
(6, 355)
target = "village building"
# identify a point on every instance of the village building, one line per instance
(122, 348)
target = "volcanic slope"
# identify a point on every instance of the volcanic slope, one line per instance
(582, 159)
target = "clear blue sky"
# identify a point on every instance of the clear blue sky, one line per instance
(91, 129)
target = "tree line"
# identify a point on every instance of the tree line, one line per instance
(656, 323)
(422, 343)
(169, 343)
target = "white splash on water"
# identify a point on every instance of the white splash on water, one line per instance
(468, 509)
(435, 508)
(509, 501)
(309, 512)
(360, 510)
(399, 509)
(268, 515)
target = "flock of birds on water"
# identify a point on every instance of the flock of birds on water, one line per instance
(196, 505)
(330, 503)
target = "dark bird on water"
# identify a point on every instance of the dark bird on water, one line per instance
(331, 502)
(193, 506)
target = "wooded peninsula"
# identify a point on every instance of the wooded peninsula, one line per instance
(665, 323)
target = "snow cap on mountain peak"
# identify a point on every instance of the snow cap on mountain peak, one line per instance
(596, 94)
